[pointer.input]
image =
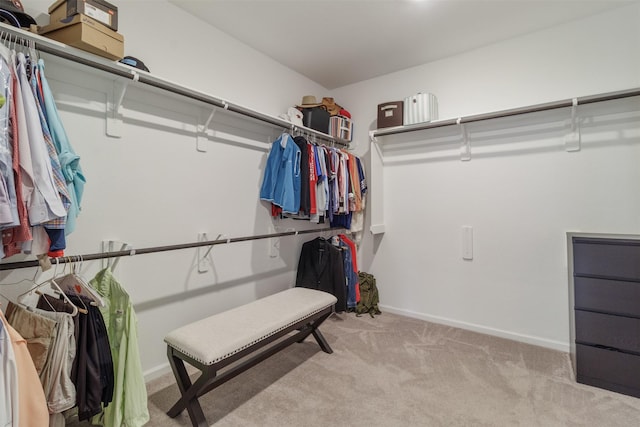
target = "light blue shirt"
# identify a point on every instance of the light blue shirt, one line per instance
(69, 160)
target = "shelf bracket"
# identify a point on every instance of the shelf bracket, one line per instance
(202, 134)
(572, 138)
(372, 136)
(114, 104)
(203, 266)
(465, 146)
(274, 243)
(108, 246)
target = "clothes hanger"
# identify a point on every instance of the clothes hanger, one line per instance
(32, 281)
(4, 49)
(55, 288)
(74, 283)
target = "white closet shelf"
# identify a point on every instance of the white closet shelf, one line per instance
(572, 140)
(506, 113)
(70, 53)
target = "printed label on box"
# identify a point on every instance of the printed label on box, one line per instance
(97, 14)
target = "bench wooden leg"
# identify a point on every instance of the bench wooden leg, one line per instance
(189, 391)
(324, 345)
(322, 342)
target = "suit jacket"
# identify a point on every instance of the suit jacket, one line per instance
(320, 267)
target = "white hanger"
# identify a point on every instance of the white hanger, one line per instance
(75, 283)
(54, 286)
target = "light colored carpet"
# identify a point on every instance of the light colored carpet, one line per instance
(398, 371)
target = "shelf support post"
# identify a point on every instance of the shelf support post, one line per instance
(202, 136)
(465, 146)
(572, 138)
(114, 104)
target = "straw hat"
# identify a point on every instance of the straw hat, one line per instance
(331, 106)
(309, 101)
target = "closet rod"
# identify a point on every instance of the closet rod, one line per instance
(141, 251)
(512, 112)
(63, 51)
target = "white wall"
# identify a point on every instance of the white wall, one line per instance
(521, 192)
(151, 187)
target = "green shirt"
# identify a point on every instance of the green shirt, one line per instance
(129, 405)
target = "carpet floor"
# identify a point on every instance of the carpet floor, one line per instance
(397, 371)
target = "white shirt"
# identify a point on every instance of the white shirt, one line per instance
(45, 203)
(8, 205)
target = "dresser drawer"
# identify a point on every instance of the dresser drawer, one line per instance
(611, 296)
(608, 369)
(619, 332)
(612, 258)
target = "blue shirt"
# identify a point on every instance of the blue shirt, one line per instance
(69, 160)
(281, 180)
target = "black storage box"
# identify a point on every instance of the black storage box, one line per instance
(316, 118)
(390, 114)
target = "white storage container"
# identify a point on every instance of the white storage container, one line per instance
(419, 108)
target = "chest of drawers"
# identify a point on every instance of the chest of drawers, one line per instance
(605, 311)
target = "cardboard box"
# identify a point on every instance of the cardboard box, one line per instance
(87, 34)
(99, 10)
(390, 114)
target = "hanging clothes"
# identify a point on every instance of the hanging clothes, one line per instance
(55, 228)
(305, 201)
(51, 303)
(9, 406)
(313, 179)
(32, 405)
(69, 160)
(331, 185)
(321, 267)
(14, 237)
(9, 205)
(350, 278)
(93, 368)
(281, 179)
(39, 333)
(55, 373)
(129, 405)
(41, 181)
(357, 221)
(44, 204)
(354, 265)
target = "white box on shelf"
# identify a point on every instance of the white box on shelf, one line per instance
(420, 108)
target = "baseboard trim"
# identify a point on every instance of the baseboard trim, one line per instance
(156, 372)
(541, 342)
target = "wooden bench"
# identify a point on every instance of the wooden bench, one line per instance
(236, 335)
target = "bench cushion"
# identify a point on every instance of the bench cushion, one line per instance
(217, 337)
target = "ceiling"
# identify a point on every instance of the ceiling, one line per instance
(336, 43)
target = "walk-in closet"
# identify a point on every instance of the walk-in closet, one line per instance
(477, 265)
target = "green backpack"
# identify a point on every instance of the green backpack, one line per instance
(369, 297)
